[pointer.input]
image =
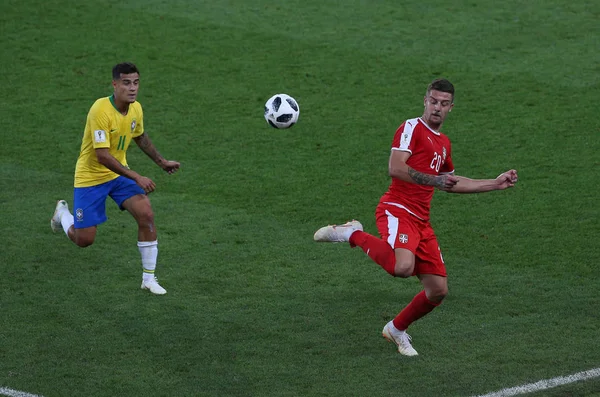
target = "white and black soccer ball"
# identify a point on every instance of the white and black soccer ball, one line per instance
(281, 111)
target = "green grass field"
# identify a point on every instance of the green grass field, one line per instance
(255, 307)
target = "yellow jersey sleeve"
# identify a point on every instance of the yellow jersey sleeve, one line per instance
(99, 127)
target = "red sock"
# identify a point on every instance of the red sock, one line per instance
(416, 309)
(376, 249)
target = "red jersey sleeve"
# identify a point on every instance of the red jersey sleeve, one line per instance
(405, 139)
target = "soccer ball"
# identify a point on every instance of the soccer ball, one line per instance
(281, 111)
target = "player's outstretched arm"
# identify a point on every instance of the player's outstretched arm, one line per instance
(144, 143)
(466, 185)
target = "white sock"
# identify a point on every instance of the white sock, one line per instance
(66, 220)
(149, 252)
(393, 328)
(348, 233)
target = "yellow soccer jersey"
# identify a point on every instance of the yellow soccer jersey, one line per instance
(106, 127)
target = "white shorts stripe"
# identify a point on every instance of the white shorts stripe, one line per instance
(392, 224)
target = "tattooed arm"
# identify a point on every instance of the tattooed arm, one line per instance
(444, 182)
(144, 142)
(400, 170)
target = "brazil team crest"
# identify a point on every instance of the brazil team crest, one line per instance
(133, 125)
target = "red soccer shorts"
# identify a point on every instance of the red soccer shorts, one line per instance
(402, 230)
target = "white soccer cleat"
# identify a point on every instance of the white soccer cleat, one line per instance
(153, 286)
(55, 221)
(400, 338)
(337, 233)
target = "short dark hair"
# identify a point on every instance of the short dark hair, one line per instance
(124, 68)
(441, 85)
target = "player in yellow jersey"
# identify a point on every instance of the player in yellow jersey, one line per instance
(102, 172)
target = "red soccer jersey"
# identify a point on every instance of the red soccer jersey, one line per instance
(431, 154)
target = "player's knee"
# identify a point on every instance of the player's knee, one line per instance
(84, 241)
(437, 294)
(146, 217)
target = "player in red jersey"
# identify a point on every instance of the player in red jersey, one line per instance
(420, 160)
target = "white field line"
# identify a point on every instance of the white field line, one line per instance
(4, 391)
(513, 391)
(545, 384)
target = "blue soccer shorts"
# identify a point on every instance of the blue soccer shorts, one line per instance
(89, 203)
